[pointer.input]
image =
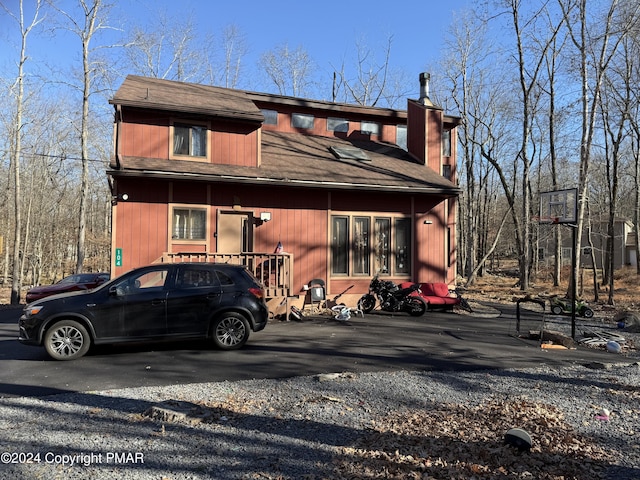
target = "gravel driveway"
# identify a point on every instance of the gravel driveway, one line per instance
(365, 425)
(584, 421)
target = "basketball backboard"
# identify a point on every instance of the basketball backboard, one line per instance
(559, 206)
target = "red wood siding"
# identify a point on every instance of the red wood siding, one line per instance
(144, 135)
(434, 140)
(141, 233)
(299, 220)
(417, 131)
(233, 144)
(148, 136)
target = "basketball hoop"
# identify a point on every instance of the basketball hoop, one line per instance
(558, 207)
(546, 220)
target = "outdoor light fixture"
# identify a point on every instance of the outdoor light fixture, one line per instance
(123, 196)
(428, 222)
(265, 216)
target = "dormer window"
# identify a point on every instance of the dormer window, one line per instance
(302, 120)
(189, 140)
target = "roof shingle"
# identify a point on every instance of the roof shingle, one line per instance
(289, 158)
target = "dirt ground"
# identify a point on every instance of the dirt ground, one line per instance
(503, 287)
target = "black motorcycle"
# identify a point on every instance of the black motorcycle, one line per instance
(392, 298)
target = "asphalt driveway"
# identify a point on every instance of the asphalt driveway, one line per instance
(378, 342)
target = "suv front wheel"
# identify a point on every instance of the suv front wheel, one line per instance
(67, 340)
(230, 331)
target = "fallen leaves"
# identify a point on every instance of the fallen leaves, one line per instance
(457, 441)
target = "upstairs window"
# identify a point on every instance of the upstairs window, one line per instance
(446, 143)
(270, 117)
(337, 124)
(189, 140)
(401, 136)
(372, 128)
(446, 171)
(302, 120)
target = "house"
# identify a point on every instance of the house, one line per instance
(594, 240)
(296, 189)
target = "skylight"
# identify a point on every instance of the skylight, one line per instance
(349, 153)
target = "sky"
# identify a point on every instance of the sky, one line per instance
(327, 30)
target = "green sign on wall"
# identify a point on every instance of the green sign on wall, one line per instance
(118, 257)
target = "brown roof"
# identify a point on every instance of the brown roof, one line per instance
(154, 93)
(306, 160)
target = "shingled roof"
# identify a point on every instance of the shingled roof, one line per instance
(306, 160)
(158, 94)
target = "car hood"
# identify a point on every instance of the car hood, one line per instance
(50, 288)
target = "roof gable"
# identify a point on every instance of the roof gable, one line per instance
(167, 95)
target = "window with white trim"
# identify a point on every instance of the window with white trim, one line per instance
(189, 140)
(189, 223)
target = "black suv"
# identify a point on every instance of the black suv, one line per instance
(160, 302)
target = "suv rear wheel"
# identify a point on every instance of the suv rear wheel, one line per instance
(230, 331)
(67, 340)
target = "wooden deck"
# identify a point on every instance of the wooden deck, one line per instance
(273, 270)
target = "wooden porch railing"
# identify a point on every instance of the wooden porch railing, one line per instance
(274, 270)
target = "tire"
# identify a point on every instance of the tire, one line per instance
(367, 303)
(230, 331)
(415, 307)
(556, 310)
(67, 340)
(587, 312)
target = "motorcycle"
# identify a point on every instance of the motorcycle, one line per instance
(392, 298)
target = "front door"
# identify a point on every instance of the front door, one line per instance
(235, 233)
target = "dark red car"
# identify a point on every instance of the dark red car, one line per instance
(72, 283)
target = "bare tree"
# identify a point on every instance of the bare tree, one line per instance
(93, 14)
(290, 70)
(371, 75)
(235, 48)
(370, 79)
(168, 49)
(616, 104)
(467, 71)
(596, 42)
(16, 144)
